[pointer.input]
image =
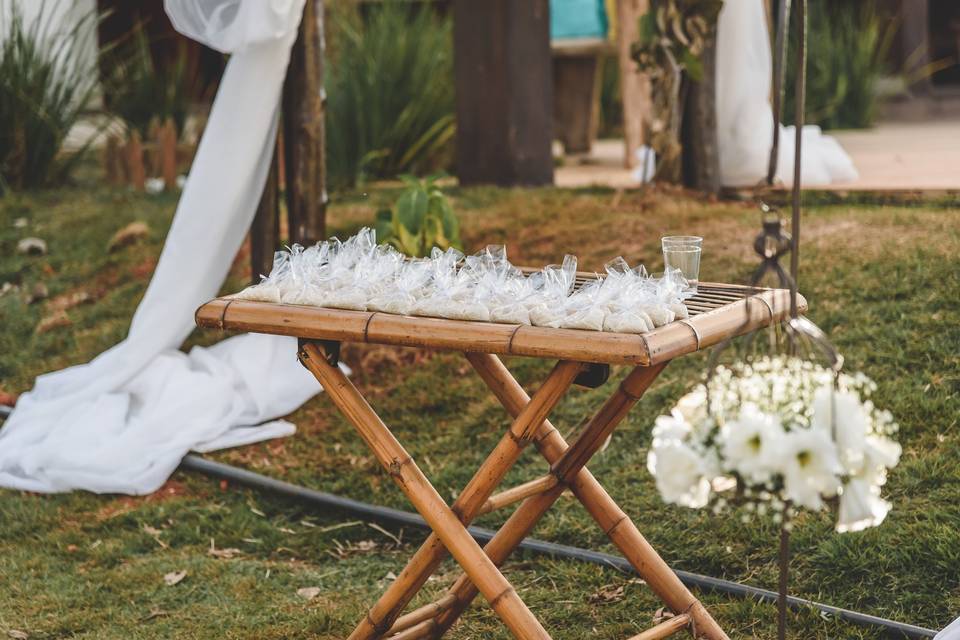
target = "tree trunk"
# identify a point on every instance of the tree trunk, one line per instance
(303, 130)
(504, 92)
(701, 159)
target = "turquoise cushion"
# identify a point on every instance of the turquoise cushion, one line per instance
(578, 19)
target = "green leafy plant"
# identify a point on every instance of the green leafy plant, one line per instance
(46, 81)
(142, 93)
(848, 45)
(673, 35)
(421, 219)
(390, 92)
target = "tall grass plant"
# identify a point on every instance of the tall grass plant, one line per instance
(390, 93)
(46, 81)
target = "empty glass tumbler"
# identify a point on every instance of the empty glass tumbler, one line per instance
(683, 253)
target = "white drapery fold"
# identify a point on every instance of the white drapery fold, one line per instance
(745, 118)
(123, 422)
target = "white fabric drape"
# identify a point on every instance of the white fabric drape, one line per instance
(951, 632)
(122, 422)
(744, 115)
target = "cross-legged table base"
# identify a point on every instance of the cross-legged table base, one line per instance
(449, 523)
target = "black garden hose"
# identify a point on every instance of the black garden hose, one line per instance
(387, 515)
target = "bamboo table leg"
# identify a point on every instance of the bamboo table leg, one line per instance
(614, 522)
(468, 505)
(519, 525)
(482, 572)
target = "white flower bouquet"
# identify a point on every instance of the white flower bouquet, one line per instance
(775, 434)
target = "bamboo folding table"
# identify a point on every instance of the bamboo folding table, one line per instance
(717, 312)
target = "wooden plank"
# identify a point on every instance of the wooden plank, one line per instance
(503, 92)
(303, 112)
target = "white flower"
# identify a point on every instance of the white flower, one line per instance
(752, 444)
(880, 454)
(841, 414)
(671, 427)
(693, 406)
(680, 475)
(860, 506)
(810, 468)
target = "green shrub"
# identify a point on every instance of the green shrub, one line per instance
(421, 219)
(390, 93)
(142, 93)
(45, 83)
(847, 49)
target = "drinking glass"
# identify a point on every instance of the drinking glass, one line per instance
(683, 253)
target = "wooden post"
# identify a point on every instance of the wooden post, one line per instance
(634, 86)
(504, 94)
(135, 168)
(113, 164)
(167, 141)
(303, 113)
(265, 229)
(701, 153)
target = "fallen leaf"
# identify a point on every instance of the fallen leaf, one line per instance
(53, 321)
(133, 232)
(308, 593)
(16, 634)
(69, 301)
(8, 399)
(174, 577)
(72, 548)
(608, 593)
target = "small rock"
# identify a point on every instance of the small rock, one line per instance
(53, 321)
(133, 232)
(154, 186)
(308, 593)
(37, 293)
(8, 287)
(174, 577)
(20, 223)
(32, 247)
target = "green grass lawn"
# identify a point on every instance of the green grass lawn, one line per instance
(883, 280)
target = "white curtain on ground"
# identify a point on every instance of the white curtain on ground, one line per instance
(122, 422)
(744, 115)
(952, 632)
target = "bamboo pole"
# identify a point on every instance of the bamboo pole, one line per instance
(519, 525)
(265, 229)
(482, 572)
(518, 493)
(426, 612)
(602, 508)
(665, 629)
(470, 501)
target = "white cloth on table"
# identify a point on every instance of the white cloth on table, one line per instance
(122, 422)
(744, 115)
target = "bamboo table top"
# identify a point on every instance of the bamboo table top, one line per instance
(717, 312)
